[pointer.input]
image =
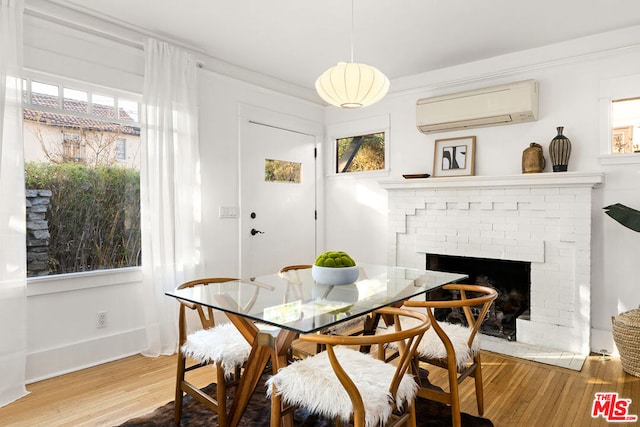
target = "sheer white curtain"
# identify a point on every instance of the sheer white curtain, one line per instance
(13, 300)
(170, 187)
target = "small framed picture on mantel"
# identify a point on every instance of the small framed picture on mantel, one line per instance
(454, 156)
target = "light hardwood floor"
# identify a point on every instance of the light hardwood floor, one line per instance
(517, 393)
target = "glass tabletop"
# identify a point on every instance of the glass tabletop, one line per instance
(296, 302)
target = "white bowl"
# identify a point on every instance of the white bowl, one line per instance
(335, 275)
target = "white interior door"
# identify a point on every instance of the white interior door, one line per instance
(278, 214)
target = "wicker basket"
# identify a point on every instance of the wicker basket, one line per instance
(626, 334)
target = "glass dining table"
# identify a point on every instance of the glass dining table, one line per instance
(272, 311)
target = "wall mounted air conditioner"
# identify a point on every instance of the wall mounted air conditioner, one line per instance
(498, 105)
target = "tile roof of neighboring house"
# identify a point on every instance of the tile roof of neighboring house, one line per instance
(73, 106)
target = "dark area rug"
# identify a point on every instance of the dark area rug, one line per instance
(430, 414)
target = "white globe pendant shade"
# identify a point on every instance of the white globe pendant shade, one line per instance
(352, 85)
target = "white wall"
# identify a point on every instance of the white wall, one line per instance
(62, 310)
(569, 77)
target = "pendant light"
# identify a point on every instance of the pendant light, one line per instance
(352, 85)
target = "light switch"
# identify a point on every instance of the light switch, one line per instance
(227, 212)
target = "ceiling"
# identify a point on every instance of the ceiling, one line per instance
(296, 40)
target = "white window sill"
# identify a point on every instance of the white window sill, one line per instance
(43, 285)
(359, 175)
(619, 159)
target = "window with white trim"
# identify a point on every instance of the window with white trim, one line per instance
(81, 147)
(360, 147)
(625, 126)
(620, 120)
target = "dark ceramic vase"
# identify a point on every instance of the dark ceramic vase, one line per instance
(559, 151)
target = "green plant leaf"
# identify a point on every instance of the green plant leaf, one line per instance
(625, 215)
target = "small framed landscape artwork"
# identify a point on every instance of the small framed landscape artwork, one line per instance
(454, 156)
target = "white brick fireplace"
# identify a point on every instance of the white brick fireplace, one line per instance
(544, 219)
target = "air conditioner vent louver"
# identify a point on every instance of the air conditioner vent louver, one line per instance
(498, 105)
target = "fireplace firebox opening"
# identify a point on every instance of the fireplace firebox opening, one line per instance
(512, 280)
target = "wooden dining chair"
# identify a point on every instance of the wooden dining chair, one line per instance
(345, 384)
(220, 345)
(454, 347)
(291, 274)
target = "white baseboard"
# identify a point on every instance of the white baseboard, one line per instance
(76, 356)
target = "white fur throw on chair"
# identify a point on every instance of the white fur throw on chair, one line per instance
(222, 344)
(311, 383)
(432, 346)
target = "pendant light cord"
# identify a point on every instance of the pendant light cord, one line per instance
(352, 31)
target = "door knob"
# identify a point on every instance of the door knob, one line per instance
(254, 232)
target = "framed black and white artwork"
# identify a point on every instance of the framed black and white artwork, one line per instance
(454, 156)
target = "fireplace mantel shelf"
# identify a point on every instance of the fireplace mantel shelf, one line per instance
(558, 179)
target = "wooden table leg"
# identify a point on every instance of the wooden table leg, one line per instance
(263, 347)
(280, 346)
(255, 366)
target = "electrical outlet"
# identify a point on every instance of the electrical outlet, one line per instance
(101, 319)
